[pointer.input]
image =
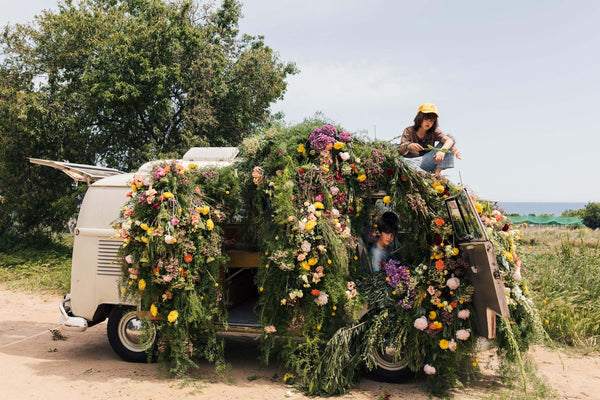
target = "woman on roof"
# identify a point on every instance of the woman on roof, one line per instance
(417, 139)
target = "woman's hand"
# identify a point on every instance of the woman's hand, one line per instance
(414, 147)
(439, 156)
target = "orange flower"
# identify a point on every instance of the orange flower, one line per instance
(439, 264)
(403, 178)
(353, 167)
(315, 292)
(188, 258)
(130, 194)
(167, 169)
(453, 304)
(156, 270)
(439, 222)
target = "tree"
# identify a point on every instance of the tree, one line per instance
(118, 82)
(590, 215)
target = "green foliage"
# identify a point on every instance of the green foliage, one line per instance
(42, 266)
(590, 215)
(566, 284)
(119, 82)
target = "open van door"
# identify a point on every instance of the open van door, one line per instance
(489, 298)
(79, 172)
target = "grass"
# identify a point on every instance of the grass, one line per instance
(38, 269)
(563, 268)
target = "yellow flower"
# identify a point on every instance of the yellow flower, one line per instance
(133, 188)
(318, 205)
(432, 315)
(304, 265)
(312, 261)
(437, 324)
(144, 239)
(328, 261)
(444, 344)
(387, 199)
(338, 145)
(325, 169)
(173, 315)
(361, 177)
(455, 251)
(153, 310)
(210, 225)
(478, 207)
(193, 166)
(267, 266)
(227, 192)
(205, 210)
(260, 289)
(142, 284)
(168, 195)
(439, 188)
(144, 226)
(301, 148)
(310, 225)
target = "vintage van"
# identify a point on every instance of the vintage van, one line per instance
(95, 274)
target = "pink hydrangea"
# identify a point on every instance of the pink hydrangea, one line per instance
(344, 137)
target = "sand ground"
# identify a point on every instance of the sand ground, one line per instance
(33, 366)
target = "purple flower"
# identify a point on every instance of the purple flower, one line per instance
(319, 140)
(344, 137)
(329, 130)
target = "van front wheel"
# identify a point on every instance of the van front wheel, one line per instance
(387, 368)
(124, 331)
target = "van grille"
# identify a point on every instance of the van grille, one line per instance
(107, 258)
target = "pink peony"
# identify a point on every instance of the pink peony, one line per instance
(464, 314)
(463, 334)
(429, 370)
(334, 190)
(159, 173)
(129, 259)
(453, 283)
(421, 323)
(345, 156)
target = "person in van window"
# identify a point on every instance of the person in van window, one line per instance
(380, 250)
(416, 140)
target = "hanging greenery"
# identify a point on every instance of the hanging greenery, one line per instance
(311, 199)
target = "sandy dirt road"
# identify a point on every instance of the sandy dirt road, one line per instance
(33, 366)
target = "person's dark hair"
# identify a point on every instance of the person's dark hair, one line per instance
(419, 120)
(388, 223)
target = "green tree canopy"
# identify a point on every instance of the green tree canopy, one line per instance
(118, 82)
(590, 215)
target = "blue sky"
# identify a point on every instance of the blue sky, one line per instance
(516, 82)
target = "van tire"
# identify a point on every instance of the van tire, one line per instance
(123, 330)
(388, 370)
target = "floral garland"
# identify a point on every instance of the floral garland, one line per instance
(171, 255)
(311, 204)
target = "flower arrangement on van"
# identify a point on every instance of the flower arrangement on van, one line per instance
(312, 198)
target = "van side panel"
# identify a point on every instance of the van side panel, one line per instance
(95, 274)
